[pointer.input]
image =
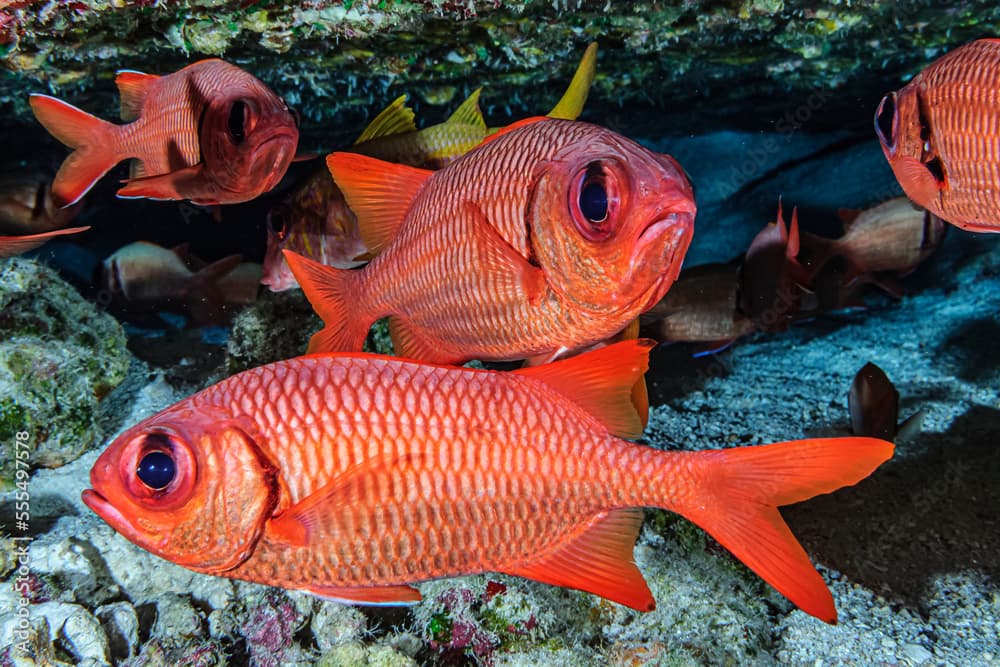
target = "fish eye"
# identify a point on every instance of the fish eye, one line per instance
(593, 201)
(240, 122)
(156, 470)
(886, 120)
(277, 221)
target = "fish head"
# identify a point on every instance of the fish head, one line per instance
(277, 274)
(248, 139)
(190, 485)
(610, 222)
(904, 133)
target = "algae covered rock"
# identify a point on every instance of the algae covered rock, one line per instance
(59, 355)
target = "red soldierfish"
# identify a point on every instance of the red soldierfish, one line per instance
(28, 215)
(315, 221)
(552, 235)
(211, 133)
(940, 134)
(893, 237)
(352, 476)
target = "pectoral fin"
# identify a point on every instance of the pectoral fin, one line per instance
(379, 596)
(358, 493)
(187, 183)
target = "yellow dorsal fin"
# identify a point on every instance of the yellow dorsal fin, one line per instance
(380, 193)
(571, 104)
(598, 559)
(469, 112)
(394, 119)
(132, 87)
(601, 383)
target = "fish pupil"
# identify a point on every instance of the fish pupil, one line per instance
(237, 117)
(885, 120)
(594, 202)
(156, 470)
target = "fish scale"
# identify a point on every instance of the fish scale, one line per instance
(375, 472)
(482, 281)
(946, 123)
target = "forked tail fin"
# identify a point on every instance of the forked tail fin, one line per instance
(90, 138)
(334, 296)
(738, 491)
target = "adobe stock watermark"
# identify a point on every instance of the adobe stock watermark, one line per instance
(22, 541)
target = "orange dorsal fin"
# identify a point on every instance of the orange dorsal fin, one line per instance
(737, 504)
(378, 596)
(514, 126)
(133, 87)
(597, 558)
(17, 245)
(380, 193)
(334, 296)
(792, 242)
(355, 493)
(396, 118)
(601, 382)
(468, 112)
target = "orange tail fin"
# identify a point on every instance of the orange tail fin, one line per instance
(334, 295)
(740, 492)
(90, 137)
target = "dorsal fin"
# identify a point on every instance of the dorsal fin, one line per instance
(380, 193)
(598, 559)
(132, 87)
(513, 126)
(394, 119)
(571, 104)
(601, 383)
(469, 112)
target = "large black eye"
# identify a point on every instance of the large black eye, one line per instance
(156, 470)
(237, 120)
(885, 121)
(277, 221)
(594, 201)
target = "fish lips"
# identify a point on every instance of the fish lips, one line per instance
(674, 233)
(111, 515)
(275, 152)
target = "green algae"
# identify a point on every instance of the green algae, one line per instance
(59, 355)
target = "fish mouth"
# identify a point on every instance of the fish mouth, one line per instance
(104, 509)
(678, 228)
(677, 225)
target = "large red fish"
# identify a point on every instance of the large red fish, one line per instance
(941, 132)
(552, 235)
(210, 132)
(315, 221)
(352, 476)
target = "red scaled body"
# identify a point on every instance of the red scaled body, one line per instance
(941, 136)
(352, 476)
(551, 235)
(210, 132)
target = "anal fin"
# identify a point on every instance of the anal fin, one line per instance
(381, 596)
(597, 559)
(408, 343)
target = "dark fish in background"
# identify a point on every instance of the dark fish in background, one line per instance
(315, 220)
(772, 278)
(873, 403)
(143, 277)
(940, 134)
(210, 132)
(891, 238)
(29, 216)
(701, 307)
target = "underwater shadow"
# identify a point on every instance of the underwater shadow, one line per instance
(973, 349)
(934, 509)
